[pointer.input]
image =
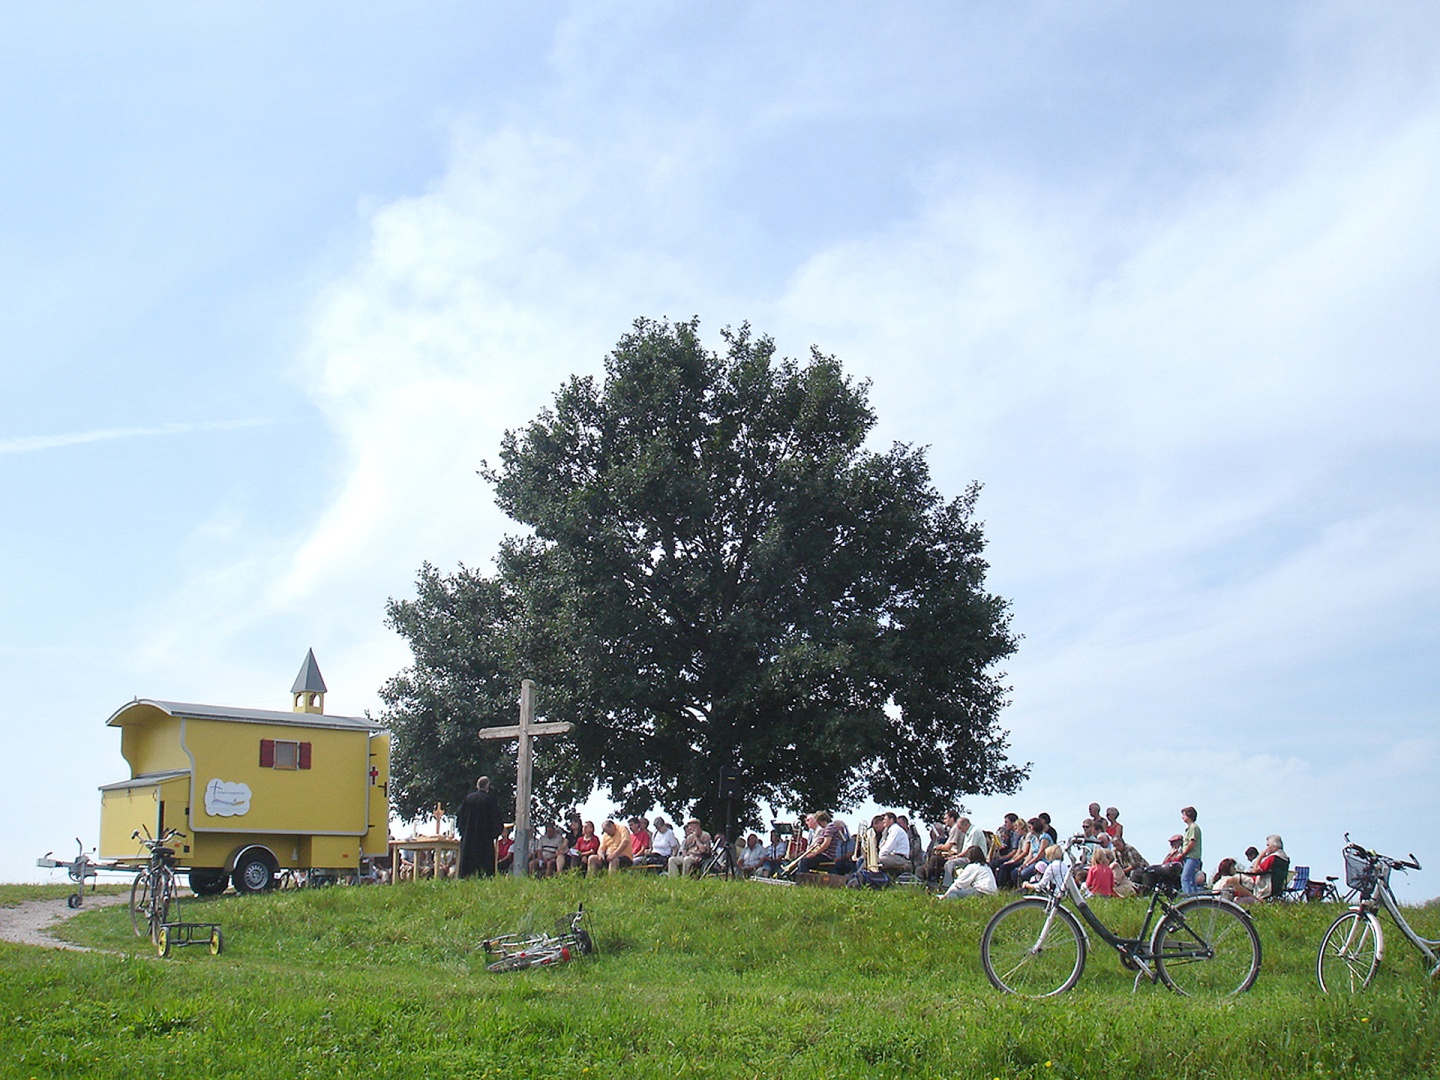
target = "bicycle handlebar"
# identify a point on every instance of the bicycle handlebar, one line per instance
(1388, 860)
(152, 844)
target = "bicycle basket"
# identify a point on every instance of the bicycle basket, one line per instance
(1362, 870)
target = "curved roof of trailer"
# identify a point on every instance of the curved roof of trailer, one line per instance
(146, 780)
(246, 716)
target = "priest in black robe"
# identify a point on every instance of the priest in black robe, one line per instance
(479, 822)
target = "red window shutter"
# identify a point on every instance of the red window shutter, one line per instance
(267, 753)
(304, 755)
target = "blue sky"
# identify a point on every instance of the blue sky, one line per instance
(274, 279)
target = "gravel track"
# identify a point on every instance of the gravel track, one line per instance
(30, 923)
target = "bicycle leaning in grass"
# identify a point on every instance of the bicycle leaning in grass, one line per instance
(1353, 947)
(1203, 945)
(155, 895)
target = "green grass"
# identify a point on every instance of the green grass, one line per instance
(693, 979)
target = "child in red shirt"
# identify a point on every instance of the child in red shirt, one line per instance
(1100, 880)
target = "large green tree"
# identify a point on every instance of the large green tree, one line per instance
(461, 679)
(718, 575)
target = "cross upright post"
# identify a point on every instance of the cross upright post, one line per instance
(525, 731)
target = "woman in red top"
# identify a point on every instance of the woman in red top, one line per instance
(588, 844)
(1259, 874)
(1114, 828)
(505, 850)
(640, 837)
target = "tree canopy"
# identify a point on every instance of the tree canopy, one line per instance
(717, 575)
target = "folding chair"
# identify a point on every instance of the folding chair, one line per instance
(1279, 879)
(1296, 892)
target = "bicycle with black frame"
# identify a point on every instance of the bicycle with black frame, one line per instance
(155, 893)
(1354, 946)
(1201, 945)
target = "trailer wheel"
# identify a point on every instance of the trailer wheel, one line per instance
(254, 872)
(217, 942)
(162, 941)
(208, 882)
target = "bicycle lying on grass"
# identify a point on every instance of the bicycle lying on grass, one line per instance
(1202, 945)
(516, 952)
(1354, 946)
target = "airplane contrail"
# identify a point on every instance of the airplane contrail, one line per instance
(26, 444)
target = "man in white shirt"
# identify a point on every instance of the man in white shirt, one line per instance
(970, 836)
(546, 848)
(812, 829)
(772, 856)
(751, 855)
(894, 847)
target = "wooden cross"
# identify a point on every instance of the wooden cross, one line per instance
(526, 730)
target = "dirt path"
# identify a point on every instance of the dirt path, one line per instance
(30, 923)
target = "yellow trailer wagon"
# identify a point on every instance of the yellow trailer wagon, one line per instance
(254, 791)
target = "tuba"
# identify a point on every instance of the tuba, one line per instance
(867, 852)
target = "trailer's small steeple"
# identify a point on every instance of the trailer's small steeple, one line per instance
(309, 688)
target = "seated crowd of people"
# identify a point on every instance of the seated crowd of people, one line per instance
(960, 858)
(635, 842)
(1028, 855)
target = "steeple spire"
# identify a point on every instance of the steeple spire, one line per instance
(309, 689)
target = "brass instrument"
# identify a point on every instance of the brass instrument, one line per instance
(796, 845)
(867, 854)
(797, 849)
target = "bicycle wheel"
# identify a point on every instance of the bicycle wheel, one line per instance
(140, 904)
(511, 963)
(1033, 949)
(163, 902)
(1350, 953)
(1206, 947)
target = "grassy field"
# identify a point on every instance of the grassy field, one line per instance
(693, 978)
